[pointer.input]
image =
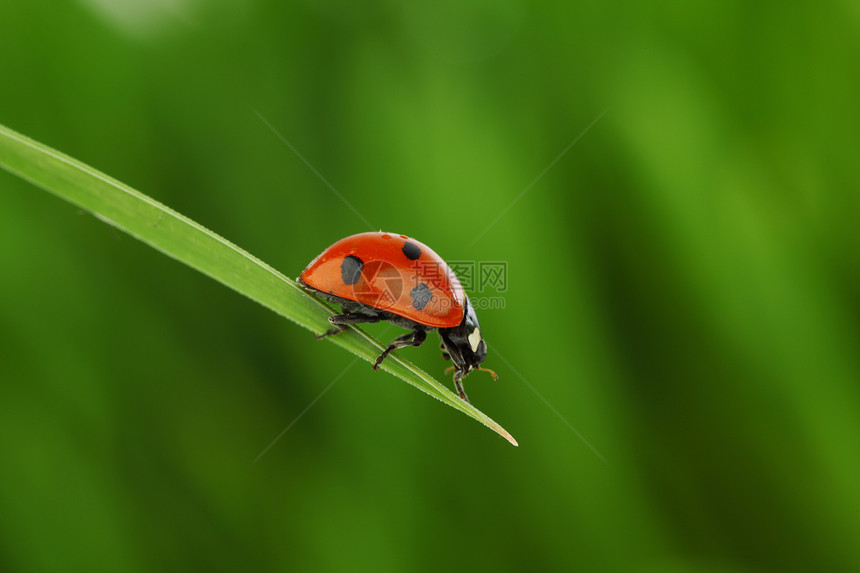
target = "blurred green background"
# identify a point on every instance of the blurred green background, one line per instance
(684, 287)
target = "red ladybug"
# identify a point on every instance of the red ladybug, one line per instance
(384, 276)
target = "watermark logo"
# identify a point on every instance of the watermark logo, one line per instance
(482, 276)
(485, 281)
(493, 276)
(382, 285)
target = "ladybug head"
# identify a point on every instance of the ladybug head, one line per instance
(464, 344)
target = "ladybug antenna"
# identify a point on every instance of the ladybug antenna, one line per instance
(493, 374)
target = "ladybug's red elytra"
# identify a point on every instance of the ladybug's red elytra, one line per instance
(386, 276)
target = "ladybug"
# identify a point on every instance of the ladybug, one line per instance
(385, 276)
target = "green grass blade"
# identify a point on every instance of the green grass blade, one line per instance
(188, 242)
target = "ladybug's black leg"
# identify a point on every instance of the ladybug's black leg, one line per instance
(445, 355)
(414, 338)
(459, 385)
(341, 320)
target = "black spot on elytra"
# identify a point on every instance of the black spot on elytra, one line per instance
(350, 269)
(411, 251)
(421, 295)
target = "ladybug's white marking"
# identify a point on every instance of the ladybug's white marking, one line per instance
(475, 339)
